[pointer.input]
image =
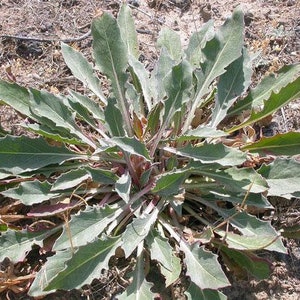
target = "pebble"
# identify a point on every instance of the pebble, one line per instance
(248, 18)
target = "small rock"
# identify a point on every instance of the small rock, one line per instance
(46, 27)
(248, 18)
(135, 3)
(27, 49)
(290, 2)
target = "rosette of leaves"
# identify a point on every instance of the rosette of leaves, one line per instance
(164, 167)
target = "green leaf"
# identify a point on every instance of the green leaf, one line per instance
(16, 244)
(162, 252)
(201, 132)
(283, 177)
(3, 227)
(16, 96)
(128, 31)
(86, 226)
(235, 180)
(50, 110)
(2, 131)
(114, 119)
(177, 86)
(256, 234)
(233, 83)
(280, 144)
(140, 288)
(75, 177)
(31, 192)
(92, 107)
(111, 58)
(82, 70)
(169, 183)
(257, 200)
(49, 133)
(82, 112)
(142, 76)
(70, 179)
(247, 178)
(23, 154)
(203, 267)
(131, 146)
(85, 265)
(123, 187)
(154, 118)
(269, 84)
(109, 48)
(194, 292)
(170, 40)
(291, 232)
(248, 243)
(209, 153)
(161, 70)
(219, 53)
(171, 275)
(197, 42)
(49, 270)
(274, 102)
(258, 267)
(137, 231)
(160, 248)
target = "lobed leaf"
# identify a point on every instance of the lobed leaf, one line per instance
(235, 180)
(209, 153)
(276, 100)
(111, 58)
(31, 192)
(161, 70)
(50, 110)
(280, 144)
(137, 231)
(170, 40)
(233, 83)
(142, 76)
(16, 244)
(49, 270)
(258, 267)
(219, 53)
(140, 288)
(85, 264)
(169, 183)
(123, 187)
(82, 113)
(283, 177)
(113, 118)
(197, 42)
(51, 133)
(86, 226)
(82, 70)
(16, 96)
(171, 276)
(256, 234)
(194, 292)
(75, 177)
(24, 154)
(131, 146)
(90, 105)
(162, 252)
(201, 132)
(177, 86)
(128, 31)
(203, 267)
(252, 199)
(268, 85)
